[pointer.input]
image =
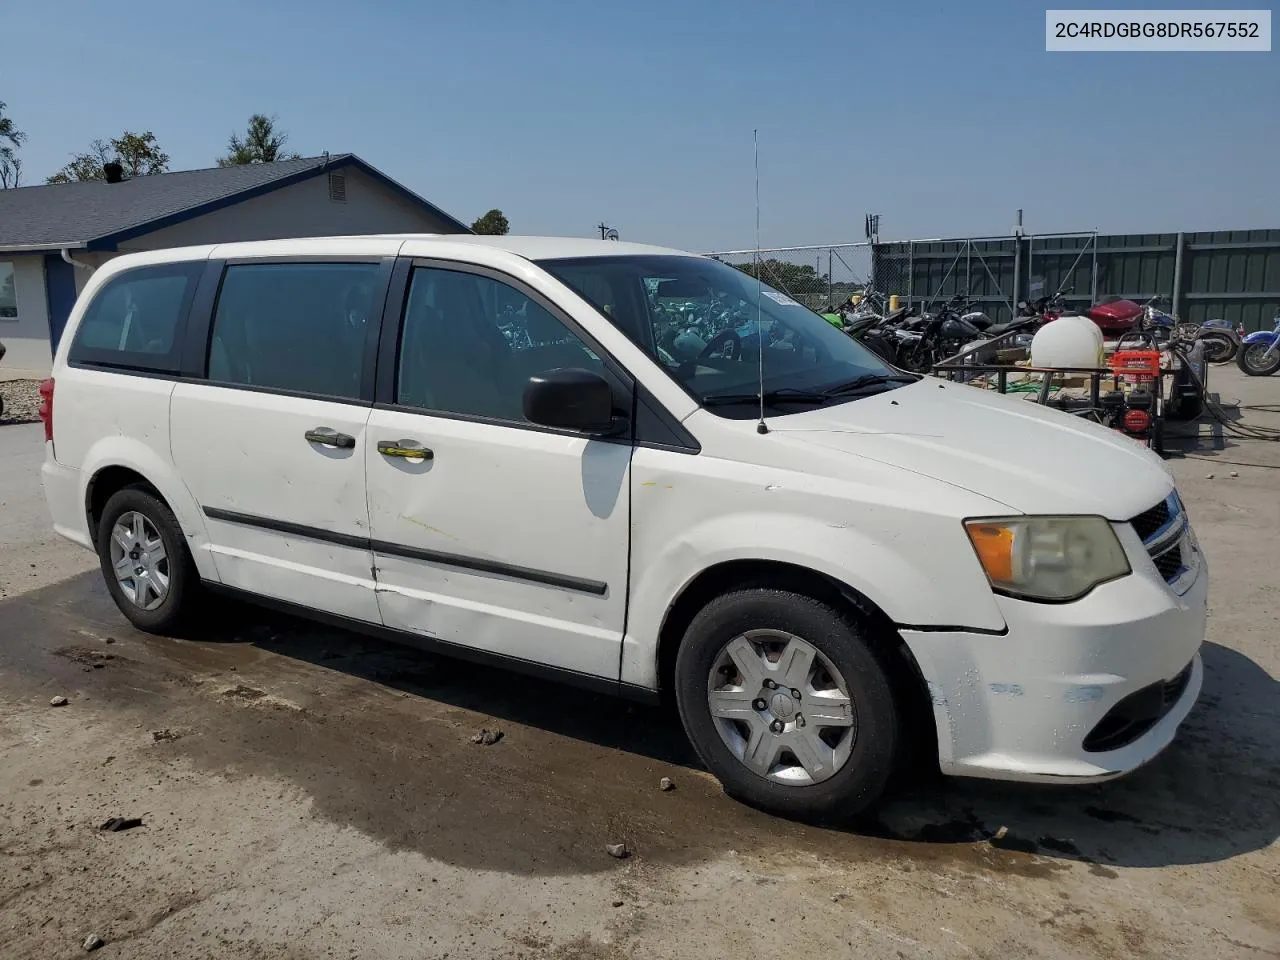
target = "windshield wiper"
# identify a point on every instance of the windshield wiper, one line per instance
(868, 380)
(771, 397)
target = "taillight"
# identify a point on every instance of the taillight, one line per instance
(1137, 421)
(46, 407)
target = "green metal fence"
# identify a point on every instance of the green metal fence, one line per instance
(1229, 274)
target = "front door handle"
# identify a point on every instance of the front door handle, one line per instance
(408, 449)
(329, 437)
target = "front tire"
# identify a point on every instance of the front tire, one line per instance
(786, 701)
(145, 562)
(1251, 359)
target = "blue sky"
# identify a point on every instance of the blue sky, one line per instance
(942, 117)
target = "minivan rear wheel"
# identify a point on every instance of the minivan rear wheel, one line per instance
(786, 702)
(145, 561)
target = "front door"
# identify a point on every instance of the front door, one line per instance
(272, 444)
(60, 294)
(490, 532)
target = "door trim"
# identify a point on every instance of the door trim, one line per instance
(546, 578)
(285, 526)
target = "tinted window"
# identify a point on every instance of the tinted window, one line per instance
(471, 343)
(714, 328)
(137, 319)
(294, 326)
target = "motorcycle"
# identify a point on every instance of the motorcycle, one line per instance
(1221, 340)
(932, 338)
(1259, 354)
(1116, 315)
(883, 336)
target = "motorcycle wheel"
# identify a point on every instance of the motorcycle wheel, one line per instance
(1252, 360)
(917, 361)
(1218, 347)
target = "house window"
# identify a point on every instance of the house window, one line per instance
(8, 292)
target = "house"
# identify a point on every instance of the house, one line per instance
(52, 237)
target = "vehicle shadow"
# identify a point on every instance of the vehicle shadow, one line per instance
(1207, 435)
(1208, 798)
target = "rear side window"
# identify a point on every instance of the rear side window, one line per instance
(136, 321)
(296, 327)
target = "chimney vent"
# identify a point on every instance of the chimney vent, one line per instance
(113, 172)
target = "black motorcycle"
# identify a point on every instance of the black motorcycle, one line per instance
(936, 337)
(883, 335)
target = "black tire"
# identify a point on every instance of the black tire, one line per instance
(184, 580)
(1157, 435)
(847, 644)
(1244, 360)
(1219, 347)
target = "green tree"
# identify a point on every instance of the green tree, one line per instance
(11, 139)
(137, 153)
(261, 143)
(493, 224)
(796, 279)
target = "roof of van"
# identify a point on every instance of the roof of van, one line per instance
(530, 248)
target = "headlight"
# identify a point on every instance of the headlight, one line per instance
(1052, 559)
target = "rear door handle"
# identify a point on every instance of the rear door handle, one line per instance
(408, 449)
(329, 437)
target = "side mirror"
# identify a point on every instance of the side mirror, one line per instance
(570, 399)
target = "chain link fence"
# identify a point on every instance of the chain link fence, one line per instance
(820, 277)
(1229, 275)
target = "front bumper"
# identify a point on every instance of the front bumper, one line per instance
(1042, 702)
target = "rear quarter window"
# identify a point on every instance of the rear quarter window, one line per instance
(138, 318)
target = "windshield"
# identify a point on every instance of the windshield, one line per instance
(706, 322)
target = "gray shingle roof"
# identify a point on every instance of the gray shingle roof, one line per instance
(75, 214)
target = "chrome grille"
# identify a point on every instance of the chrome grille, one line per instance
(1166, 535)
(1169, 563)
(1149, 522)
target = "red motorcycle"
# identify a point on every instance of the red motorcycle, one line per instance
(1115, 315)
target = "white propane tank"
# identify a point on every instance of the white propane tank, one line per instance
(1069, 341)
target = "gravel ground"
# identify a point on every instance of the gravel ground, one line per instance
(21, 401)
(306, 793)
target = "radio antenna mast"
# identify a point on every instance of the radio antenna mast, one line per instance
(760, 427)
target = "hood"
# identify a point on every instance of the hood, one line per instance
(1032, 458)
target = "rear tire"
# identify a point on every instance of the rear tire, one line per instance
(145, 561)
(832, 765)
(1219, 347)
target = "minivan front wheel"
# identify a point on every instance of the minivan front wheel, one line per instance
(144, 559)
(787, 703)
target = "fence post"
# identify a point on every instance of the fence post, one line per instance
(1177, 276)
(1017, 272)
(831, 287)
(911, 271)
(1093, 290)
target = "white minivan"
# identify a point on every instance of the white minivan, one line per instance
(640, 471)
